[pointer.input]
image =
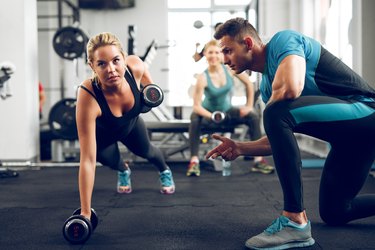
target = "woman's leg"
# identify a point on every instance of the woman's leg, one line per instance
(252, 121)
(194, 141)
(110, 156)
(194, 134)
(138, 142)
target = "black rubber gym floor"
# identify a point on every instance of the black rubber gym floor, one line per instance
(207, 212)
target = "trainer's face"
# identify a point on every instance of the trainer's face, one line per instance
(236, 54)
(109, 65)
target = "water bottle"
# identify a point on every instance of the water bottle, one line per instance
(227, 171)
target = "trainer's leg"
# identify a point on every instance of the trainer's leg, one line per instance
(330, 119)
(279, 125)
(345, 172)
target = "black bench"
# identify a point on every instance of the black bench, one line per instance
(179, 128)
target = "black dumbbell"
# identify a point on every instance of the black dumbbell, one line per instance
(218, 117)
(152, 96)
(77, 229)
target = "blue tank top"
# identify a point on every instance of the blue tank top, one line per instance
(218, 99)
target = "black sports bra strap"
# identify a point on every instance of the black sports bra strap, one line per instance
(83, 87)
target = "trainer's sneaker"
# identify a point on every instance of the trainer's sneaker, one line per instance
(282, 234)
(124, 185)
(193, 169)
(263, 167)
(167, 183)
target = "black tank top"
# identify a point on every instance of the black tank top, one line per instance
(110, 128)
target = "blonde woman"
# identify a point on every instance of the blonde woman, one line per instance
(215, 84)
(108, 108)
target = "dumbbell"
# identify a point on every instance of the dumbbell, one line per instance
(77, 229)
(218, 117)
(151, 96)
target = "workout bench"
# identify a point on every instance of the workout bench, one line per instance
(179, 129)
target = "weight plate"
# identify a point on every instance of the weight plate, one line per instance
(69, 42)
(62, 119)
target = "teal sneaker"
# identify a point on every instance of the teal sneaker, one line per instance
(282, 234)
(167, 183)
(124, 185)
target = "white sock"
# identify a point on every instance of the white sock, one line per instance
(195, 161)
(298, 225)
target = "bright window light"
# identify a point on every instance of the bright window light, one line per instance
(232, 2)
(182, 68)
(189, 3)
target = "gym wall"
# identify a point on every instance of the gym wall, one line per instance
(367, 45)
(19, 126)
(150, 19)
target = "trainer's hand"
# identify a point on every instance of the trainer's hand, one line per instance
(227, 149)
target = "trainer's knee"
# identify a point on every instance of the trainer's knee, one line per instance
(332, 214)
(275, 114)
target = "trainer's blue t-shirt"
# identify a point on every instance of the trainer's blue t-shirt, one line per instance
(287, 43)
(325, 73)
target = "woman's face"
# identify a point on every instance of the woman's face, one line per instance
(213, 55)
(109, 65)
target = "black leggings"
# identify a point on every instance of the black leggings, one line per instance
(349, 127)
(252, 120)
(138, 142)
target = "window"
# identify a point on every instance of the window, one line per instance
(232, 2)
(181, 30)
(332, 26)
(337, 30)
(189, 3)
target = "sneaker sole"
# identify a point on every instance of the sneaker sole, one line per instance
(262, 171)
(124, 192)
(297, 244)
(168, 192)
(193, 174)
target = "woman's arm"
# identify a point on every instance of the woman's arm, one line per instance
(198, 95)
(86, 113)
(140, 71)
(249, 86)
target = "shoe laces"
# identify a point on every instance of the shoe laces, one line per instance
(166, 178)
(124, 178)
(277, 225)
